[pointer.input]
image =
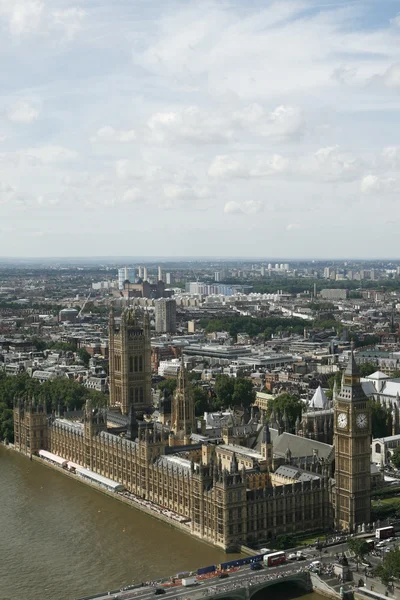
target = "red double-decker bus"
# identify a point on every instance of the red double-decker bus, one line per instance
(274, 559)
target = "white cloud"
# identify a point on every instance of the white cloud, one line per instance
(293, 226)
(219, 125)
(69, 19)
(23, 112)
(248, 207)
(265, 166)
(284, 122)
(22, 16)
(49, 154)
(232, 207)
(373, 184)
(391, 155)
(224, 166)
(191, 124)
(132, 196)
(390, 78)
(330, 164)
(109, 134)
(396, 21)
(7, 191)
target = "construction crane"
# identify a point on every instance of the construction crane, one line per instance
(83, 305)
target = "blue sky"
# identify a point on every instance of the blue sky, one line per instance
(201, 128)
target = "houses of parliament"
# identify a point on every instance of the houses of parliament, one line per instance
(230, 485)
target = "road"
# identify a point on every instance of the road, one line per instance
(244, 576)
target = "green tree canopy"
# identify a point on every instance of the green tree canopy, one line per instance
(201, 401)
(379, 419)
(289, 403)
(168, 384)
(367, 368)
(63, 391)
(233, 391)
(396, 457)
(390, 567)
(254, 325)
(359, 547)
(84, 356)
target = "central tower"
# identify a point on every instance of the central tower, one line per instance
(352, 452)
(130, 361)
(183, 419)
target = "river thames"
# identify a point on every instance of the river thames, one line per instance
(60, 539)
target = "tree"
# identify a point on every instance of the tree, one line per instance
(84, 356)
(201, 400)
(379, 419)
(244, 394)
(367, 368)
(168, 384)
(359, 547)
(285, 541)
(224, 389)
(390, 567)
(233, 391)
(286, 403)
(396, 457)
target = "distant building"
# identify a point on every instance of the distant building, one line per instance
(165, 315)
(334, 294)
(68, 314)
(126, 274)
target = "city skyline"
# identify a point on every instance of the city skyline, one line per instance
(263, 125)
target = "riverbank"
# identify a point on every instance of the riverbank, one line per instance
(136, 504)
(62, 541)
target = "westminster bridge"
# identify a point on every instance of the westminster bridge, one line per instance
(243, 584)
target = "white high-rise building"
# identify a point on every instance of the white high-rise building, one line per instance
(159, 274)
(144, 273)
(126, 274)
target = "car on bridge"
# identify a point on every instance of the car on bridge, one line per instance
(159, 591)
(256, 566)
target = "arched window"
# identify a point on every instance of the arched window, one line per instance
(378, 448)
(136, 364)
(136, 394)
(140, 363)
(130, 364)
(141, 394)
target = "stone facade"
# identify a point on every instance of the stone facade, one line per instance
(352, 452)
(224, 507)
(130, 361)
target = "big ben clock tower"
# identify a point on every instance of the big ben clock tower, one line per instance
(352, 452)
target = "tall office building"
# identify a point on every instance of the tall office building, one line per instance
(145, 274)
(126, 274)
(159, 274)
(165, 315)
(130, 361)
(168, 278)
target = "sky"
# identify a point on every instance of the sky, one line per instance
(188, 128)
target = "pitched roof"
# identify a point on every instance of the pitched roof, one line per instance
(319, 400)
(377, 375)
(301, 447)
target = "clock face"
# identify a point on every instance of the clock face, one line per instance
(342, 420)
(362, 421)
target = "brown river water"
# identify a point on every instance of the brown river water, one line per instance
(61, 539)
